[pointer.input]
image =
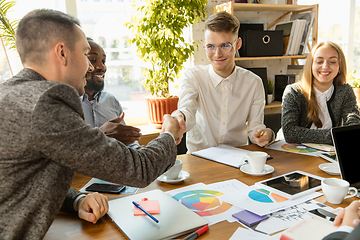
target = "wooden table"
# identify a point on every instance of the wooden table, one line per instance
(68, 226)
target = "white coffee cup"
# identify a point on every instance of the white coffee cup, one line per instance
(256, 161)
(174, 171)
(336, 190)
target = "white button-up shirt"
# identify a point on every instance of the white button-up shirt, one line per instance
(220, 110)
(322, 99)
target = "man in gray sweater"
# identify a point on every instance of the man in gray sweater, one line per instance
(44, 139)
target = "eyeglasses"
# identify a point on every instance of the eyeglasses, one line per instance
(224, 47)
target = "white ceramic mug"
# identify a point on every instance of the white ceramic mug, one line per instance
(256, 161)
(336, 190)
(174, 171)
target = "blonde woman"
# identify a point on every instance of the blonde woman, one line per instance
(321, 99)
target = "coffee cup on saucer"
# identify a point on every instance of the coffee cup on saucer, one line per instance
(256, 161)
(174, 171)
(336, 190)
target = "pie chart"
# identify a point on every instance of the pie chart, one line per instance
(293, 147)
(203, 202)
(265, 196)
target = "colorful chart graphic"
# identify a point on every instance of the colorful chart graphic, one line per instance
(296, 148)
(203, 202)
(265, 196)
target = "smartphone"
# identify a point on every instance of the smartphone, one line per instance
(105, 188)
(324, 214)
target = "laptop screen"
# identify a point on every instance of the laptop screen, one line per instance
(347, 146)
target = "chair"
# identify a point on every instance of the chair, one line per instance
(181, 148)
(273, 121)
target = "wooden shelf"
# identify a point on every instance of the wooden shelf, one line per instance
(272, 57)
(231, 7)
(283, 10)
(274, 104)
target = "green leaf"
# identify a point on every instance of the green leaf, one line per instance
(158, 28)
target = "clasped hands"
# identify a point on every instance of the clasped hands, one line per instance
(128, 134)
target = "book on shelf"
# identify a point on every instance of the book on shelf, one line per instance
(299, 30)
(309, 17)
(287, 31)
(293, 31)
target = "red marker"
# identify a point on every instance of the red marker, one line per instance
(197, 233)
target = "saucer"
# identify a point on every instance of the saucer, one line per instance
(246, 169)
(330, 168)
(182, 176)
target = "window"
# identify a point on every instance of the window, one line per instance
(339, 21)
(21, 8)
(104, 22)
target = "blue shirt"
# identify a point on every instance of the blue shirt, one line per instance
(103, 108)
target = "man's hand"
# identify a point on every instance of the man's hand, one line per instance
(350, 216)
(171, 125)
(263, 137)
(123, 133)
(179, 116)
(93, 207)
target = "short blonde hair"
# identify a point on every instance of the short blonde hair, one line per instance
(222, 22)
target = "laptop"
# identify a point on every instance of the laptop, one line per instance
(174, 218)
(347, 144)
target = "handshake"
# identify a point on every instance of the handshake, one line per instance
(174, 125)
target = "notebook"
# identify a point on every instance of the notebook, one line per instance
(309, 228)
(174, 218)
(346, 142)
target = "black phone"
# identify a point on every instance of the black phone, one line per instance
(105, 188)
(324, 214)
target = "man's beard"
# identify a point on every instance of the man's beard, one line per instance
(92, 86)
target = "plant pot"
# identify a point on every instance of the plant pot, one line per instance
(357, 95)
(270, 98)
(157, 107)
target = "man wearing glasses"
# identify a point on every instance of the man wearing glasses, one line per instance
(222, 103)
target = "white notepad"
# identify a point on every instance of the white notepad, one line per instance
(174, 218)
(223, 154)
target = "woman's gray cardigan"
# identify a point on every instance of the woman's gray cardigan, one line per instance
(296, 127)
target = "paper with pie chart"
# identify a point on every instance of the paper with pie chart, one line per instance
(294, 148)
(265, 196)
(205, 202)
(264, 201)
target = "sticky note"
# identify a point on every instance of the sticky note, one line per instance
(151, 206)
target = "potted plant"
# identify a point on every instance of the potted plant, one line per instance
(354, 80)
(7, 28)
(158, 34)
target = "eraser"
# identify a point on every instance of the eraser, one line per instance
(249, 218)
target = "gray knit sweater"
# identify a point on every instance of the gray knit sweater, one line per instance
(44, 141)
(342, 109)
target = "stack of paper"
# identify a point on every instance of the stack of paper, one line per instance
(223, 154)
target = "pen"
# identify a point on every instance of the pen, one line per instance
(262, 133)
(151, 216)
(197, 233)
